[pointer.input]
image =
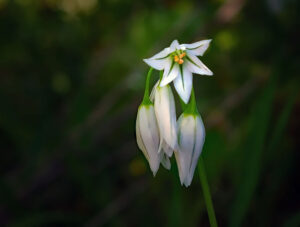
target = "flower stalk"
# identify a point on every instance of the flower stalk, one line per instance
(206, 194)
(191, 108)
(146, 99)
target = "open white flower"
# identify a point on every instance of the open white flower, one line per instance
(191, 136)
(179, 61)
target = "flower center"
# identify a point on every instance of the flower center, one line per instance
(179, 58)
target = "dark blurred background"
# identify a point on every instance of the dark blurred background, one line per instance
(71, 80)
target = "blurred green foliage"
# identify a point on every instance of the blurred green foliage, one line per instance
(72, 77)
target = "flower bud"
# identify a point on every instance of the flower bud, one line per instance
(191, 136)
(165, 112)
(147, 135)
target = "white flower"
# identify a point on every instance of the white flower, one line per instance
(147, 135)
(179, 61)
(191, 136)
(164, 106)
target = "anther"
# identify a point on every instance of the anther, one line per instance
(176, 58)
(182, 55)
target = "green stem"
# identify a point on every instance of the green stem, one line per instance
(206, 193)
(146, 99)
(160, 76)
(191, 107)
(183, 105)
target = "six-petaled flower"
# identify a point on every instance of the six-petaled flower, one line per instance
(179, 62)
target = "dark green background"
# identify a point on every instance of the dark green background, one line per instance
(71, 80)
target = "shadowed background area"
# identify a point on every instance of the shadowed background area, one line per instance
(72, 78)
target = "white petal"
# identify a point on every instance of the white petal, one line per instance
(170, 73)
(139, 138)
(165, 112)
(196, 66)
(200, 138)
(174, 46)
(183, 83)
(165, 161)
(153, 91)
(179, 156)
(167, 149)
(149, 135)
(158, 61)
(197, 48)
(156, 64)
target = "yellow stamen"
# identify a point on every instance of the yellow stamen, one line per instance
(176, 58)
(180, 61)
(182, 55)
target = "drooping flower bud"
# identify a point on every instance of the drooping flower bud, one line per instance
(147, 135)
(191, 136)
(164, 106)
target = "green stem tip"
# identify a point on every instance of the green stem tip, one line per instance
(146, 99)
(191, 107)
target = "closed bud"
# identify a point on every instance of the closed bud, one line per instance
(191, 136)
(165, 112)
(147, 135)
